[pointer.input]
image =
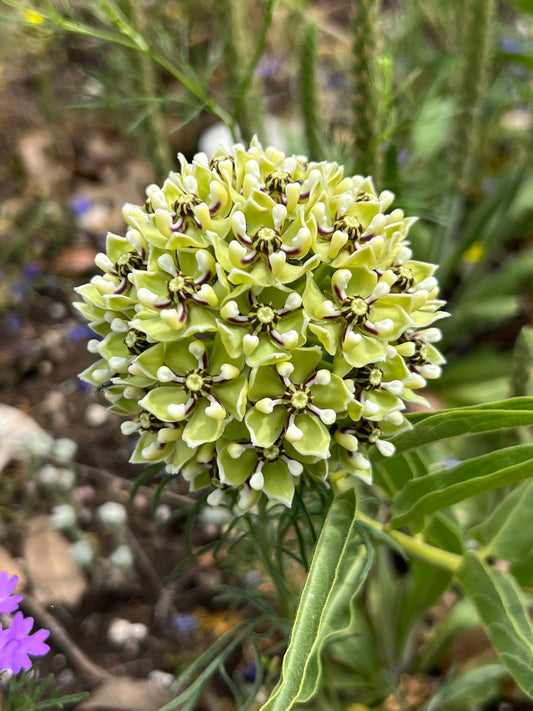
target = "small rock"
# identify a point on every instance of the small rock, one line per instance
(21, 437)
(163, 513)
(54, 575)
(125, 694)
(121, 632)
(161, 680)
(96, 415)
(64, 450)
(12, 567)
(63, 518)
(82, 553)
(122, 558)
(112, 514)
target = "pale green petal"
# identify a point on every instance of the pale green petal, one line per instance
(336, 395)
(329, 333)
(304, 361)
(154, 327)
(369, 350)
(355, 410)
(199, 320)
(279, 484)
(385, 401)
(181, 454)
(156, 282)
(158, 400)
(265, 429)
(232, 395)
(266, 353)
(400, 319)
(116, 246)
(236, 471)
(219, 357)
(201, 481)
(315, 440)
(312, 297)
(201, 428)
(265, 382)
(150, 360)
(231, 337)
(179, 358)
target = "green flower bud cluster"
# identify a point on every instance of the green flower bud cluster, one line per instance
(262, 319)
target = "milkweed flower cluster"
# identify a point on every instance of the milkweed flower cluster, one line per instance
(16, 642)
(262, 319)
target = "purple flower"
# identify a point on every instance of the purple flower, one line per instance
(79, 332)
(12, 323)
(32, 270)
(8, 602)
(81, 205)
(185, 623)
(250, 672)
(16, 643)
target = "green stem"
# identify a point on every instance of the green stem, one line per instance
(259, 49)
(474, 22)
(415, 547)
(157, 135)
(248, 106)
(128, 37)
(310, 103)
(365, 110)
(259, 534)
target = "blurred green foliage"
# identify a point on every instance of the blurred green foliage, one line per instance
(434, 99)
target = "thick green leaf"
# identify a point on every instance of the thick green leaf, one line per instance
(497, 598)
(525, 60)
(523, 572)
(425, 584)
(443, 530)
(473, 688)
(393, 473)
(340, 564)
(507, 532)
(433, 427)
(481, 376)
(462, 616)
(437, 491)
(487, 311)
(524, 5)
(354, 661)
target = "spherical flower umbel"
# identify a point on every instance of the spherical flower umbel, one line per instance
(262, 320)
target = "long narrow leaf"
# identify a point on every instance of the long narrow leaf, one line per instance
(437, 491)
(340, 565)
(203, 668)
(393, 473)
(433, 427)
(497, 598)
(507, 532)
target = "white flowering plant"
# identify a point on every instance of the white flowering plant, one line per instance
(262, 320)
(264, 329)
